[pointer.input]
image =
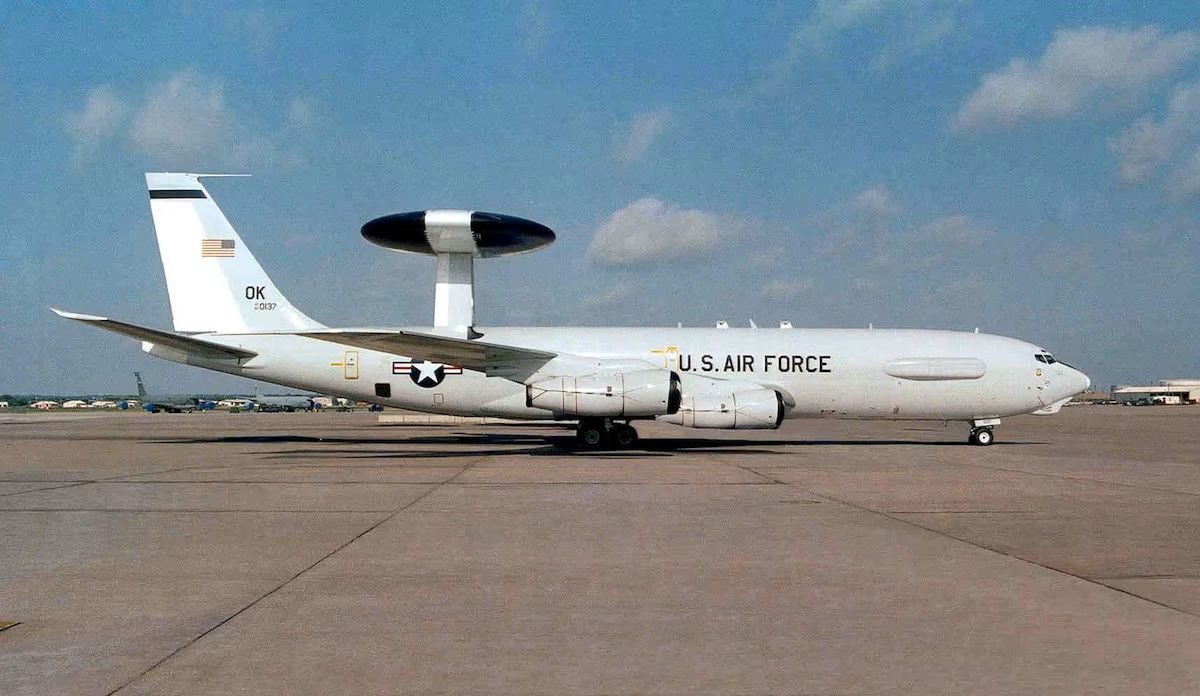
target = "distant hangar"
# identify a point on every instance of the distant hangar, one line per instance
(1167, 391)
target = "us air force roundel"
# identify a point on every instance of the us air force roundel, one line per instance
(425, 374)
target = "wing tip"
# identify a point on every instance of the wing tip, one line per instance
(76, 315)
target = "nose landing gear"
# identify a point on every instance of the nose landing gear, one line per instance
(981, 432)
(603, 433)
(980, 436)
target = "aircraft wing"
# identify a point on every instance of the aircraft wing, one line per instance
(187, 344)
(493, 359)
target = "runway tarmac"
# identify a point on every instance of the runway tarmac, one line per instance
(325, 553)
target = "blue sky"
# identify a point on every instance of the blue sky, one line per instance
(1030, 168)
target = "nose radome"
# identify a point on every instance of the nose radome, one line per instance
(1081, 381)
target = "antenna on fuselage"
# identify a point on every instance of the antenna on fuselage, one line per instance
(456, 238)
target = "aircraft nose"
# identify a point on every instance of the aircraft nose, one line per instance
(1079, 381)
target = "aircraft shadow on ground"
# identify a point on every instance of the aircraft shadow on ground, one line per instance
(561, 446)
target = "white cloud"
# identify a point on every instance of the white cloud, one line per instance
(782, 290)
(1146, 145)
(534, 27)
(100, 119)
(645, 129)
(186, 119)
(1184, 180)
(302, 114)
(899, 27)
(651, 230)
(1077, 64)
(957, 231)
(928, 20)
(850, 225)
(877, 203)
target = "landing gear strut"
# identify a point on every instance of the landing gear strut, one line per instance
(598, 433)
(981, 432)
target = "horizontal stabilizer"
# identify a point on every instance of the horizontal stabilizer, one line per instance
(490, 358)
(187, 344)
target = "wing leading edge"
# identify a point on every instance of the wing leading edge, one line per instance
(493, 359)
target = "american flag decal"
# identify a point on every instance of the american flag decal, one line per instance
(216, 248)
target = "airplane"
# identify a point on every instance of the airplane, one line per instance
(162, 403)
(230, 317)
(284, 402)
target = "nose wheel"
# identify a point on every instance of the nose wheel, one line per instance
(602, 433)
(981, 431)
(981, 436)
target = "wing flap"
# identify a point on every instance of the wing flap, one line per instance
(187, 344)
(492, 359)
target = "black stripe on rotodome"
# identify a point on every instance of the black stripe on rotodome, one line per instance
(177, 193)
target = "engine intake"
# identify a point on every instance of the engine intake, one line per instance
(748, 409)
(615, 395)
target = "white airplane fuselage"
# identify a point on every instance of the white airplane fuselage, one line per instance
(834, 373)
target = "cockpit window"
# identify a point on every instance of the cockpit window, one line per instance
(1044, 358)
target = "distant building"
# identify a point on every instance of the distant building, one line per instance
(233, 403)
(1167, 391)
(102, 403)
(75, 403)
(3, 404)
(44, 405)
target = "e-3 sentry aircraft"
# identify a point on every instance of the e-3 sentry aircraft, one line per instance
(230, 317)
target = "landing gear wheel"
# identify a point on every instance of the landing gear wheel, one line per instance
(981, 437)
(591, 434)
(624, 435)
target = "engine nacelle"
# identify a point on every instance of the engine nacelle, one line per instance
(613, 395)
(747, 409)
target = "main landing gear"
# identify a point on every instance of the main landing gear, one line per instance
(981, 432)
(602, 433)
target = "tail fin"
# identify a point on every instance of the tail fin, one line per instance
(214, 282)
(141, 387)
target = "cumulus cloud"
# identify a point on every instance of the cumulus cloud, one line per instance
(926, 21)
(782, 290)
(652, 230)
(1077, 64)
(877, 202)
(186, 121)
(645, 129)
(849, 226)
(100, 119)
(1147, 144)
(900, 28)
(953, 231)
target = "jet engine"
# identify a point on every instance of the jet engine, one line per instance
(746, 409)
(612, 395)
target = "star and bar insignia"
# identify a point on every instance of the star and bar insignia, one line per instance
(425, 374)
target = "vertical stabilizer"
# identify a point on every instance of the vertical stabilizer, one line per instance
(141, 387)
(214, 282)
